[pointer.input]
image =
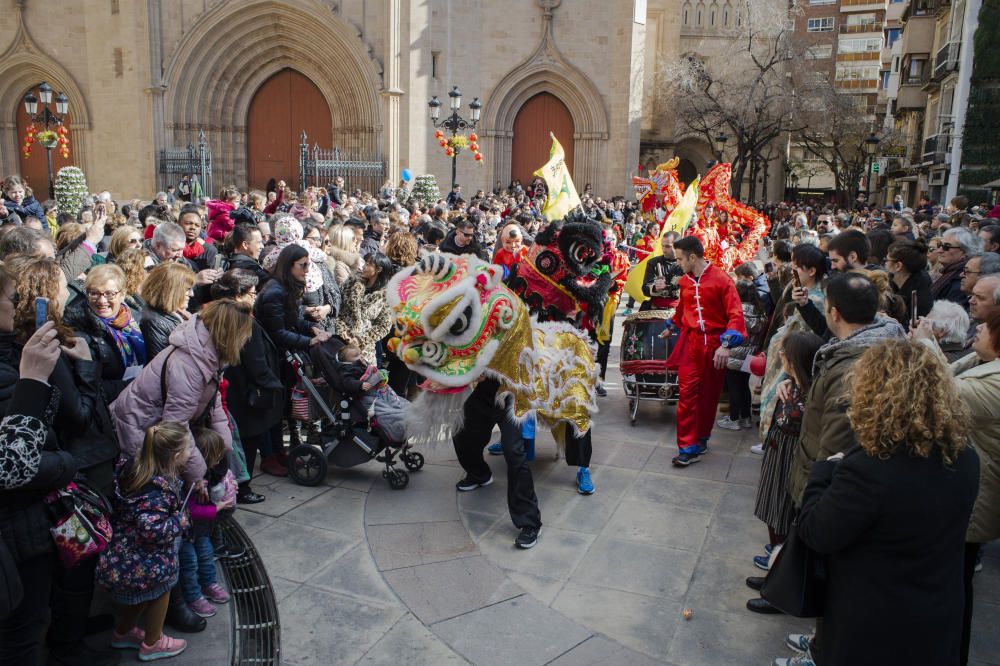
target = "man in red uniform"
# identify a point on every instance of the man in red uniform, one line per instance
(710, 318)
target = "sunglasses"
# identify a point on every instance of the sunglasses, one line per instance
(949, 246)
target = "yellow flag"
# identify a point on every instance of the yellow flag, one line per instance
(562, 193)
(678, 221)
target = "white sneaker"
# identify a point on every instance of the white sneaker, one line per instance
(800, 660)
(758, 449)
(798, 642)
(728, 423)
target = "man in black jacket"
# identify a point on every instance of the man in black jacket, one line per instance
(462, 240)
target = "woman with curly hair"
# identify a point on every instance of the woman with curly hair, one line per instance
(891, 514)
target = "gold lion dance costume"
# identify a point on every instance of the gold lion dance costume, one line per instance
(487, 362)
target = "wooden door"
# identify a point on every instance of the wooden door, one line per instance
(540, 115)
(285, 105)
(35, 169)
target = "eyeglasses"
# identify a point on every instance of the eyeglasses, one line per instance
(966, 271)
(135, 241)
(949, 246)
(109, 295)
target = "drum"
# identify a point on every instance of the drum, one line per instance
(643, 352)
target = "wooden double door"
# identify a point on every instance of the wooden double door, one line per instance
(282, 107)
(540, 115)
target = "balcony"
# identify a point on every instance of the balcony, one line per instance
(946, 60)
(911, 96)
(937, 149)
(874, 27)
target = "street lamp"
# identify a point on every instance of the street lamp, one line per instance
(720, 140)
(47, 117)
(871, 145)
(454, 123)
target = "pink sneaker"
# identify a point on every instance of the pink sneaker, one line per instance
(215, 593)
(164, 648)
(202, 607)
(130, 640)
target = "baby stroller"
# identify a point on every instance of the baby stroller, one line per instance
(346, 437)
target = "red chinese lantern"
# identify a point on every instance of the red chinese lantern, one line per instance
(439, 134)
(449, 151)
(473, 137)
(474, 146)
(442, 143)
(478, 157)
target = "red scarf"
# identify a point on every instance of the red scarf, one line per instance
(194, 250)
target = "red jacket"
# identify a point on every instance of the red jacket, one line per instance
(710, 304)
(219, 222)
(505, 257)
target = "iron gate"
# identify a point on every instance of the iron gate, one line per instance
(193, 160)
(319, 166)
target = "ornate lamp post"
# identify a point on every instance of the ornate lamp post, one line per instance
(719, 142)
(455, 123)
(871, 145)
(48, 119)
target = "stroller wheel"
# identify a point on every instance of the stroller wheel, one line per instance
(398, 479)
(412, 460)
(307, 465)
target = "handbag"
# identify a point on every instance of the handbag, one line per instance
(11, 591)
(300, 404)
(796, 581)
(81, 522)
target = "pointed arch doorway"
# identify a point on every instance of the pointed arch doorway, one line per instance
(282, 107)
(35, 169)
(540, 115)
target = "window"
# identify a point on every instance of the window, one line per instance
(891, 35)
(915, 70)
(435, 57)
(860, 19)
(820, 25)
(859, 45)
(821, 2)
(819, 51)
(857, 72)
(883, 84)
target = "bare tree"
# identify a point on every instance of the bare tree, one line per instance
(834, 129)
(748, 94)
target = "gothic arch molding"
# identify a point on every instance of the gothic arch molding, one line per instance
(546, 70)
(215, 71)
(24, 65)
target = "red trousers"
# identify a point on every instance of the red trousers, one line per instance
(701, 386)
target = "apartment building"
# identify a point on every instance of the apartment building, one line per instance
(932, 96)
(845, 41)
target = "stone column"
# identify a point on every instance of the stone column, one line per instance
(392, 92)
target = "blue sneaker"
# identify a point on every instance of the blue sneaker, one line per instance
(762, 562)
(495, 449)
(583, 483)
(768, 548)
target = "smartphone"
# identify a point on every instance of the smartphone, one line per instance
(796, 280)
(41, 311)
(218, 262)
(913, 309)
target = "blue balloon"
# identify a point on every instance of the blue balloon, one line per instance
(407, 175)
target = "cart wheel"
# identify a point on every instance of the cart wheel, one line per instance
(633, 406)
(307, 465)
(398, 479)
(413, 460)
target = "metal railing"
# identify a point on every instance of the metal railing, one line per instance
(257, 629)
(936, 149)
(946, 60)
(319, 166)
(195, 161)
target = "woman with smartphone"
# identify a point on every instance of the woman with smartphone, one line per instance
(907, 263)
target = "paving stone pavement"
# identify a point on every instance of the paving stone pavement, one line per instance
(426, 575)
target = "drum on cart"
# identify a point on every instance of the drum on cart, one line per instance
(644, 359)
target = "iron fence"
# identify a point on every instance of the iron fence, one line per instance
(195, 161)
(319, 166)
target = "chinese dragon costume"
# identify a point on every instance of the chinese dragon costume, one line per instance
(456, 322)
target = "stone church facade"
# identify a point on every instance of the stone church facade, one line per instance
(147, 75)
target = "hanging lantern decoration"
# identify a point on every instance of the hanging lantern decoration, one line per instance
(443, 143)
(449, 151)
(439, 134)
(478, 157)
(473, 137)
(474, 147)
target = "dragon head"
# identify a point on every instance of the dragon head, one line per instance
(450, 315)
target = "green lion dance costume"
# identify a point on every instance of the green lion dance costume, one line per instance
(456, 322)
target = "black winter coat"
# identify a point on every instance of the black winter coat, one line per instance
(29, 206)
(921, 284)
(24, 519)
(288, 327)
(894, 531)
(156, 328)
(249, 264)
(256, 396)
(449, 245)
(103, 351)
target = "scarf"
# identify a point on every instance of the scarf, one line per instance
(127, 336)
(947, 275)
(194, 249)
